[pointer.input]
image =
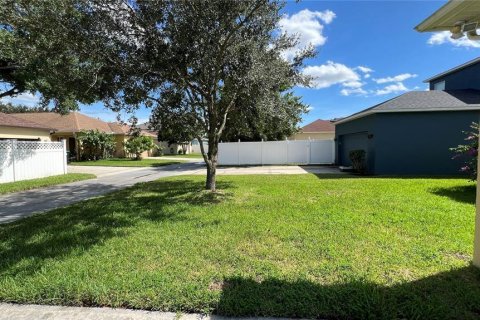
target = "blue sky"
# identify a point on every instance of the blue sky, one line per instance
(368, 52)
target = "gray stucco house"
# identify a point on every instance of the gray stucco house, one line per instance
(412, 133)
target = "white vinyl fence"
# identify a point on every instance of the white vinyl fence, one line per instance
(22, 160)
(277, 152)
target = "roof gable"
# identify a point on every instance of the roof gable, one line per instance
(417, 101)
(453, 70)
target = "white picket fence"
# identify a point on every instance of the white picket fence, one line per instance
(22, 160)
(277, 152)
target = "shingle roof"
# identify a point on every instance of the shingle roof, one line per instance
(9, 120)
(72, 122)
(119, 128)
(319, 126)
(434, 100)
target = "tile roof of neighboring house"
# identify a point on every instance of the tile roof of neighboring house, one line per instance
(319, 126)
(9, 120)
(148, 133)
(144, 126)
(72, 122)
(415, 101)
(119, 128)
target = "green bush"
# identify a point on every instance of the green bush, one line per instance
(95, 145)
(358, 160)
(138, 145)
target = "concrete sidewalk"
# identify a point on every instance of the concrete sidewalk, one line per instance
(22, 204)
(34, 312)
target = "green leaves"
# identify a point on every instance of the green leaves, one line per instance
(138, 145)
(95, 144)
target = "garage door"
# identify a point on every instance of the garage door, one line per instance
(349, 142)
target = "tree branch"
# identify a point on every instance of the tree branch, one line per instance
(11, 92)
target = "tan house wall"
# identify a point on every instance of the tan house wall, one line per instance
(119, 146)
(24, 133)
(313, 136)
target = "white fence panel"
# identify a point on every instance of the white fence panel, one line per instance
(277, 152)
(319, 151)
(250, 153)
(22, 160)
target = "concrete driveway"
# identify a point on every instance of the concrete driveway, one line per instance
(272, 170)
(22, 204)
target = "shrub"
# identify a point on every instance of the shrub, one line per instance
(138, 145)
(180, 151)
(469, 151)
(95, 145)
(358, 160)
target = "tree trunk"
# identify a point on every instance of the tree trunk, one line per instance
(212, 159)
(211, 183)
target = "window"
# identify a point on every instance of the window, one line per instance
(439, 85)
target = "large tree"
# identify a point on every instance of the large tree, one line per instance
(64, 49)
(216, 62)
(203, 64)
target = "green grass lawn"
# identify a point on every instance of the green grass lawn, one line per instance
(43, 182)
(292, 246)
(190, 155)
(125, 162)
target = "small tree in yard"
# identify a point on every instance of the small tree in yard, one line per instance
(138, 145)
(220, 58)
(469, 151)
(95, 145)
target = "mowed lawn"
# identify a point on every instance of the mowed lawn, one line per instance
(23, 185)
(126, 162)
(334, 247)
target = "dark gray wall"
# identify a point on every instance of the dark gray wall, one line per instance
(467, 78)
(348, 136)
(411, 143)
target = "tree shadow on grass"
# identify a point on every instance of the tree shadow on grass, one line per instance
(448, 295)
(465, 194)
(27, 243)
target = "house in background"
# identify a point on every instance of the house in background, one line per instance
(412, 133)
(317, 130)
(12, 127)
(166, 147)
(70, 125)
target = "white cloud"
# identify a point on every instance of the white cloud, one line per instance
(397, 78)
(310, 108)
(444, 37)
(366, 76)
(357, 91)
(353, 84)
(331, 73)
(25, 98)
(307, 26)
(364, 69)
(393, 88)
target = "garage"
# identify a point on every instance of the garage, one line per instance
(349, 142)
